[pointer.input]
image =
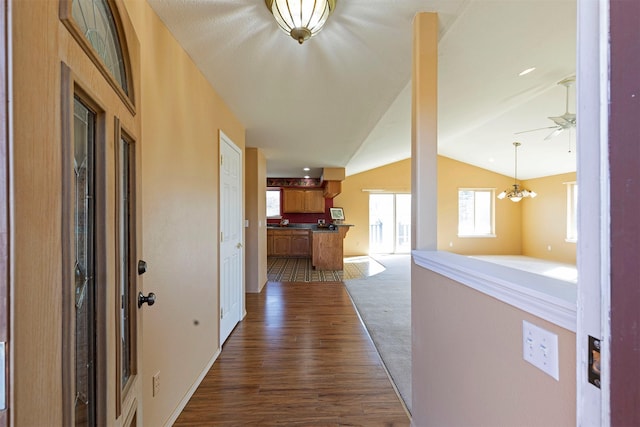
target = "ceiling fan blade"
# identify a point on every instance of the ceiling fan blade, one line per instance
(554, 133)
(533, 130)
(560, 121)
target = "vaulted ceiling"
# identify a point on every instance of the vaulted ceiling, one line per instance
(343, 98)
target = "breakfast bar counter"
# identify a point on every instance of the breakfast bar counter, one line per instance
(324, 245)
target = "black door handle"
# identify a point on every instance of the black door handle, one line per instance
(149, 299)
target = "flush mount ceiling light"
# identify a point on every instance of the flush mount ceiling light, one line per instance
(516, 193)
(301, 19)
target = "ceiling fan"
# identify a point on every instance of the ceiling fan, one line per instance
(563, 122)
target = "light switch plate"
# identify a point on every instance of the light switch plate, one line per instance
(540, 348)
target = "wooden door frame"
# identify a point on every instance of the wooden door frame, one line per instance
(5, 323)
(608, 175)
(624, 158)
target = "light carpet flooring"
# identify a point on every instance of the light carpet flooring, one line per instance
(383, 301)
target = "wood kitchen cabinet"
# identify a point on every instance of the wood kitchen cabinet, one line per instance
(269, 243)
(300, 245)
(297, 200)
(291, 243)
(332, 189)
(326, 251)
(281, 245)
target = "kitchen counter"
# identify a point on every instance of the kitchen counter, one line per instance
(324, 246)
(307, 226)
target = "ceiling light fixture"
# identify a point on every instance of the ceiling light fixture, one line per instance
(306, 169)
(527, 71)
(516, 193)
(301, 19)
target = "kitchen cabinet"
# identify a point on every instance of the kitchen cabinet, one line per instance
(297, 200)
(269, 243)
(300, 244)
(332, 189)
(326, 251)
(288, 243)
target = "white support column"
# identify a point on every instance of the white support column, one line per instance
(424, 132)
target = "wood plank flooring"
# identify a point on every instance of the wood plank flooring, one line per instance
(300, 357)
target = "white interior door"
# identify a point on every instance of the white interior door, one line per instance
(231, 238)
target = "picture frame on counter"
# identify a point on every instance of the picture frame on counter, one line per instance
(337, 214)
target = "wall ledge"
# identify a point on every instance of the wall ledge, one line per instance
(548, 298)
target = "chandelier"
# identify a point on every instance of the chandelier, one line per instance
(516, 193)
(301, 19)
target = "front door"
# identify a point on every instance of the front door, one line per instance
(4, 217)
(231, 259)
(100, 240)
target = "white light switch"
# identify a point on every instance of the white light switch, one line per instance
(540, 348)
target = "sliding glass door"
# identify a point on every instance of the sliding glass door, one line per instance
(389, 223)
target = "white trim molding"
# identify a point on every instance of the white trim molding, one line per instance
(550, 299)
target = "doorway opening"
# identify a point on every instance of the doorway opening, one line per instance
(389, 223)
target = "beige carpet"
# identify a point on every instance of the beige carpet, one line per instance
(299, 270)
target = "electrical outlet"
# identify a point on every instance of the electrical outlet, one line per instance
(540, 348)
(156, 384)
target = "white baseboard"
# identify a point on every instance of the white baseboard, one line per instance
(172, 419)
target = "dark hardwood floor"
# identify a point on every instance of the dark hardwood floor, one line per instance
(300, 357)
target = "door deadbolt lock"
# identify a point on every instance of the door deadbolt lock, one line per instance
(142, 267)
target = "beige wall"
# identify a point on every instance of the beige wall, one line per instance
(468, 368)
(255, 208)
(181, 117)
(393, 178)
(544, 220)
(522, 228)
(178, 117)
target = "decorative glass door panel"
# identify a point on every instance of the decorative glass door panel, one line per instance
(84, 270)
(126, 285)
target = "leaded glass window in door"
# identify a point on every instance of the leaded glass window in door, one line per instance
(95, 19)
(125, 253)
(84, 123)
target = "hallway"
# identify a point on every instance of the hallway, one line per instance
(300, 357)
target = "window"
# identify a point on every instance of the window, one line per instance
(572, 212)
(475, 212)
(97, 24)
(273, 203)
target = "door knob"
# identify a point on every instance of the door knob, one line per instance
(239, 245)
(149, 299)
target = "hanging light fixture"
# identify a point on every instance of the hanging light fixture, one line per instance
(516, 193)
(301, 19)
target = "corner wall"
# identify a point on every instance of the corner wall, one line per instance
(255, 209)
(393, 178)
(544, 221)
(468, 368)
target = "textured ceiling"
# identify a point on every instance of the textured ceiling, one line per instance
(342, 99)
